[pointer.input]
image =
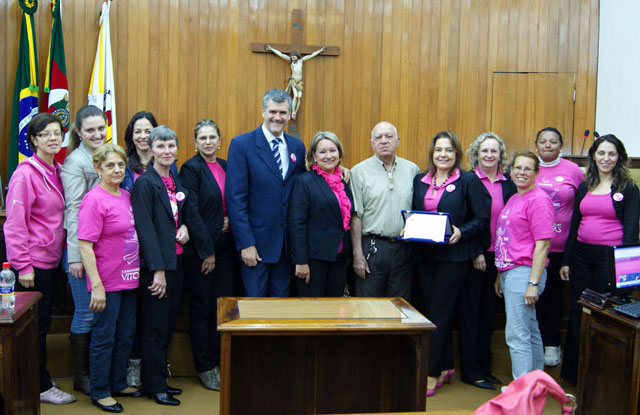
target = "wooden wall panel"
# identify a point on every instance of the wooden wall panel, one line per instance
(422, 65)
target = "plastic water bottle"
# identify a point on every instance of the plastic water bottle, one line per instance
(7, 283)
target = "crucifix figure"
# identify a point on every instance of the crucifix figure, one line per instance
(295, 87)
(295, 53)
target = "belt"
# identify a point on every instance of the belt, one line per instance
(384, 238)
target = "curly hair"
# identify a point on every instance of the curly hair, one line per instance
(474, 149)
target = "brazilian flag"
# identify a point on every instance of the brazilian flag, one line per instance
(25, 91)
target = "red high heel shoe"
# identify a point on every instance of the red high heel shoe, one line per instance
(448, 377)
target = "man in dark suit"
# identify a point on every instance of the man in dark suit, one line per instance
(261, 168)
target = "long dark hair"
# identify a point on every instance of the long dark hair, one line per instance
(132, 154)
(620, 174)
(82, 114)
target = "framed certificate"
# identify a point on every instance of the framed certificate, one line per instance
(426, 227)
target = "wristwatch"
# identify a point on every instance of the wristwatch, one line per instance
(533, 284)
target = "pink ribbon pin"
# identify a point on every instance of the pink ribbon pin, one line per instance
(293, 158)
(450, 188)
(618, 197)
(179, 196)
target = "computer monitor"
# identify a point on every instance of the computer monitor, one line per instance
(624, 270)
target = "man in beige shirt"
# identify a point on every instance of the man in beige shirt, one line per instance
(382, 187)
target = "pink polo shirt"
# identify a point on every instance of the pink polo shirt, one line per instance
(497, 200)
(561, 183)
(599, 224)
(524, 220)
(431, 200)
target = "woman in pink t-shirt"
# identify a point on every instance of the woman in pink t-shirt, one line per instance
(560, 178)
(213, 276)
(488, 160)
(108, 245)
(605, 213)
(523, 236)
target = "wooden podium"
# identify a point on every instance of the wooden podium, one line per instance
(318, 356)
(19, 367)
(609, 368)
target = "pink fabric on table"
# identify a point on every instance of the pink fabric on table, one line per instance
(219, 174)
(107, 220)
(561, 182)
(497, 200)
(525, 219)
(170, 185)
(431, 200)
(599, 224)
(527, 395)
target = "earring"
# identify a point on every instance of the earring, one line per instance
(219, 147)
(195, 150)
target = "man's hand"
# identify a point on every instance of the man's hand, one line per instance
(250, 256)
(360, 266)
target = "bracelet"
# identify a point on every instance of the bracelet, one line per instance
(533, 284)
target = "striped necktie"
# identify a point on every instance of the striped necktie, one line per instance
(276, 152)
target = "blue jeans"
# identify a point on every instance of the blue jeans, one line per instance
(111, 343)
(82, 316)
(522, 333)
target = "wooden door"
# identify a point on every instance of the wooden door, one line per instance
(525, 102)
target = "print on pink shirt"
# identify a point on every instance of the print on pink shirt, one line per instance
(502, 238)
(131, 253)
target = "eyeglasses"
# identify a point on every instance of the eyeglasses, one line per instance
(523, 169)
(47, 134)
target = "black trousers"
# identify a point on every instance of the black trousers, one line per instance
(391, 270)
(158, 321)
(445, 287)
(204, 291)
(549, 306)
(589, 269)
(486, 310)
(327, 278)
(44, 283)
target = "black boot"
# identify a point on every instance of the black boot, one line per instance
(80, 350)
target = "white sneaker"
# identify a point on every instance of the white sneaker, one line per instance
(133, 373)
(552, 355)
(56, 396)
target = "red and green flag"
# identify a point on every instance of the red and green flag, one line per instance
(25, 90)
(56, 90)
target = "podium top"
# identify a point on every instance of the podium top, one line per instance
(319, 314)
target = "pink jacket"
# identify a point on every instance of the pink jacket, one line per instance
(34, 232)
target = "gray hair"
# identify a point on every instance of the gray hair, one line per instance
(162, 133)
(474, 148)
(276, 95)
(395, 130)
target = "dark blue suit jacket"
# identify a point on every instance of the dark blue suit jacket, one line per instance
(315, 220)
(256, 195)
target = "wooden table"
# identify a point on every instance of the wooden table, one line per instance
(19, 367)
(609, 365)
(330, 355)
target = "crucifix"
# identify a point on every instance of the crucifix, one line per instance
(293, 53)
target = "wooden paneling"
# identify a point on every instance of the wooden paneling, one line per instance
(422, 65)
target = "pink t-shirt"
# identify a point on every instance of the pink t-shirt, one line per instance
(497, 200)
(431, 200)
(524, 220)
(220, 175)
(599, 224)
(107, 221)
(561, 183)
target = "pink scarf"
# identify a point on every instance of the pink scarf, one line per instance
(336, 185)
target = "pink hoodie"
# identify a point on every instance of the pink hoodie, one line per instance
(34, 232)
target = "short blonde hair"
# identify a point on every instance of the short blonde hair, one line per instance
(319, 136)
(474, 148)
(103, 151)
